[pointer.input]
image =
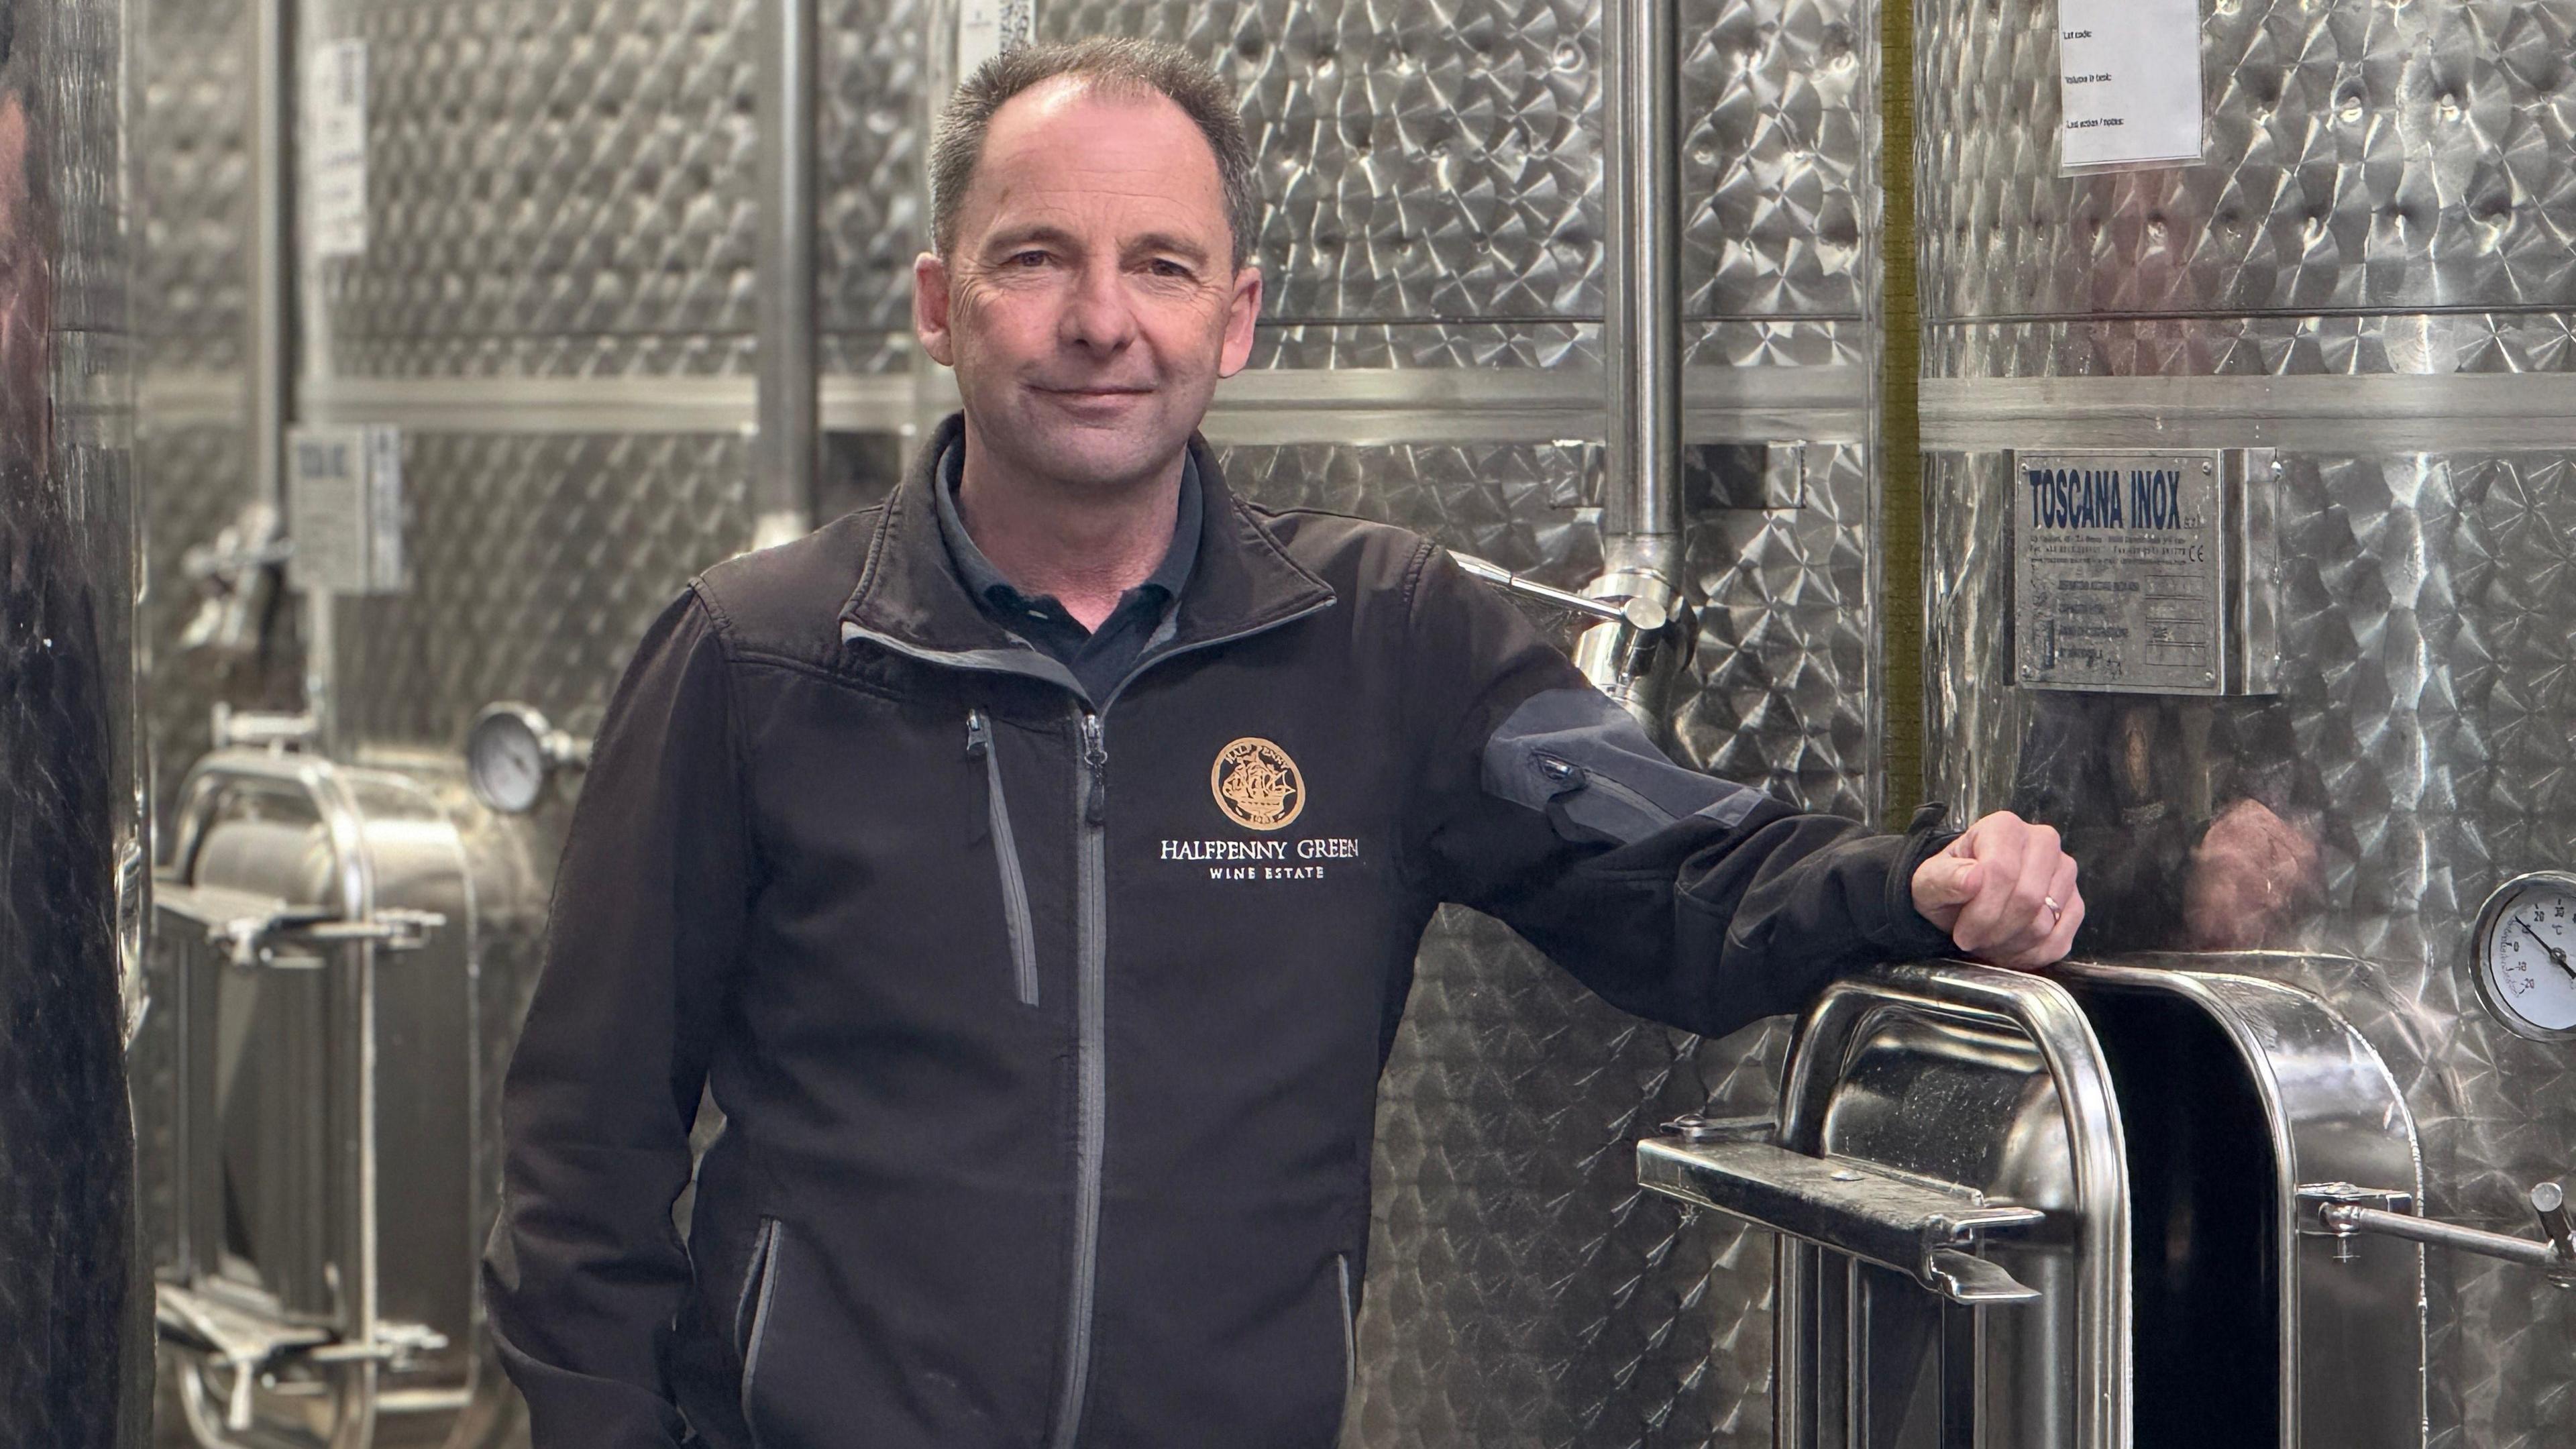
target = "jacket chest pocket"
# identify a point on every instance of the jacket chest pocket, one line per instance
(1006, 859)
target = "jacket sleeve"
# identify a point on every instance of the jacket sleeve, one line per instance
(585, 1273)
(1674, 895)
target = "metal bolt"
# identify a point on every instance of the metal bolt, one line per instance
(2207, 467)
(2027, 671)
(2549, 1200)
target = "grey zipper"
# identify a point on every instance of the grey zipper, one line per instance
(764, 1271)
(1091, 956)
(1006, 854)
(1350, 1330)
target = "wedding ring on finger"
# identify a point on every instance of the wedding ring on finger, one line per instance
(2056, 912)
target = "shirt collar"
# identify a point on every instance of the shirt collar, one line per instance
(987, 583)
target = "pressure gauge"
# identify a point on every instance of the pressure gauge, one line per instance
(510, 753)
(2525, 961)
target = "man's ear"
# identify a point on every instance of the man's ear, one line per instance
(930, 306)
(1242, 310)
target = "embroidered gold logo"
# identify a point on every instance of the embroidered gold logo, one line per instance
(1257, 785)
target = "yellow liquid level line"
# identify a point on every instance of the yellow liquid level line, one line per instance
(1900, 513)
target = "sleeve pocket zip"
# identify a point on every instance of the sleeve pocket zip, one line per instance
(1006, 856)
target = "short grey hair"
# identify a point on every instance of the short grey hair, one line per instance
(1109, 66)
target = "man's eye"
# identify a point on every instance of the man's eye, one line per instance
(1028, 259)
(1164, 268)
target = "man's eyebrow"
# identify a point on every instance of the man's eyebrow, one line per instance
(1020, 236)
(1049, 234)
(1179, 246)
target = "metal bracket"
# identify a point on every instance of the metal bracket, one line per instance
(2342, 1211)
(245, 729)
(251, 1342)
(1931, 1234)
(254, 931)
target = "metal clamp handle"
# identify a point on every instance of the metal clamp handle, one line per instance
(1931, 1234)
(249, 928)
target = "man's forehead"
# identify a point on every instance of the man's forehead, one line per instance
(1066, 132)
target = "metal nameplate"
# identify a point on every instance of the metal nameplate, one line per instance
(2142, 572)
(344, 509)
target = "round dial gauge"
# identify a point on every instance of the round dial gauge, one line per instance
(506, 759)
(2525, 948)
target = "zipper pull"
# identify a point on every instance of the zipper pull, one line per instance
(979, 734)
(1095, 759)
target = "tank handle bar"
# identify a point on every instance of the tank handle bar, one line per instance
(1843, 1205)
(2343, 1212)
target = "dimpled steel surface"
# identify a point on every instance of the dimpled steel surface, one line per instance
(2382, 157)
(537, 561)
(559, 189)
(868, 165)
(2387, 191)
(193, 174)
(1439, 161)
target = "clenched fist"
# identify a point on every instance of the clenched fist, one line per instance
(2005, 892)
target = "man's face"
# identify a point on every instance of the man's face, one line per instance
(1089, 302)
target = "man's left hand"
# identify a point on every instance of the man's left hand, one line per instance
(2005, 892)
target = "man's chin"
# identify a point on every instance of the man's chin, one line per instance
(1097, 455)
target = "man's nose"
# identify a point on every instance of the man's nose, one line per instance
(1098, 316)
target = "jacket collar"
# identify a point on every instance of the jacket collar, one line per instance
(910, 597)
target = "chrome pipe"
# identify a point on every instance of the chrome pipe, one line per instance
(269, 305)
(1642, 346)
(787, 447)
(1641, 335)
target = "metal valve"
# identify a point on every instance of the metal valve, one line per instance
(236, 575)
(1643, 634)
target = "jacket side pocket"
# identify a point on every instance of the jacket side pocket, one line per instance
(1006, 856)
(751, 1318)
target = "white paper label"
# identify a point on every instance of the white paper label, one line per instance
(986, 28)
(2129, 82)
(335, 148)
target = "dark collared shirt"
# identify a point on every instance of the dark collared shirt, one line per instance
(1099, 658)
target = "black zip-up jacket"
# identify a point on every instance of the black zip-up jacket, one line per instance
(1048, 1028)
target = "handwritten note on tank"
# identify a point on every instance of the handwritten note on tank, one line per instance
(335, 149)
(2129, 83)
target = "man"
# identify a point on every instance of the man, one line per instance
(1034, 867)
